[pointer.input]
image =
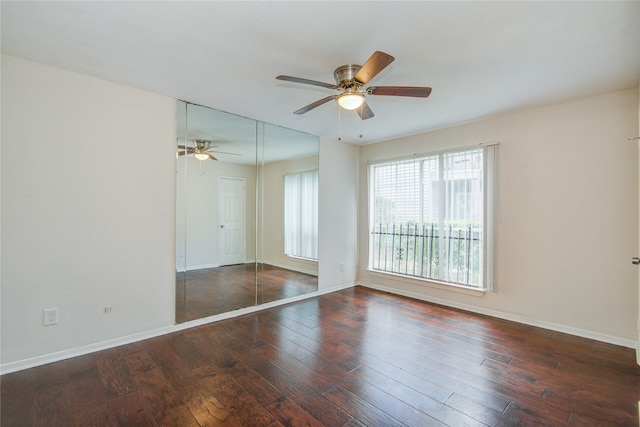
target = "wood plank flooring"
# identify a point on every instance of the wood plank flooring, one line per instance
(211, 291)
(354, 358)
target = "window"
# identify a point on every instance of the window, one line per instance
(430, 216)
(301, 215)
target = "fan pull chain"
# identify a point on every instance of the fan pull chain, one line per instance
(339, 125)
(361, 120)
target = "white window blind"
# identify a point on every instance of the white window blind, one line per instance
(301, 214)
(429, 218)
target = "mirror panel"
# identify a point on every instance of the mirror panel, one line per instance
(229, 215)
(216, 227)
(290, 211)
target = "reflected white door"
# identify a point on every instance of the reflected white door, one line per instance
(231, 214)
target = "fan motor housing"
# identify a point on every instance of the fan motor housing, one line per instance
(202, 144)
(344, 75)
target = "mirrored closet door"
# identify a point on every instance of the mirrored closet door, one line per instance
(246, 212)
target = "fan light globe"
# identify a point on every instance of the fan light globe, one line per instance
(202, 156)
(351, 101)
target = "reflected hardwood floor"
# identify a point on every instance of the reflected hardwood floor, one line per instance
(354, 358)
(218, 290)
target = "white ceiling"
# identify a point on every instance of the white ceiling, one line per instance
(480, 58)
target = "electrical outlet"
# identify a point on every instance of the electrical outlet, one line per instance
(342, 267)
(50, 316)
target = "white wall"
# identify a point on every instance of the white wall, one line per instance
(567, 216)
(338, 214)
(88, 209)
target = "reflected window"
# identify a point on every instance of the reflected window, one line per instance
(301, 215)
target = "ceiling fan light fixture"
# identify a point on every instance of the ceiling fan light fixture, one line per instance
(351, 101)
(202, 156)
(351, 79)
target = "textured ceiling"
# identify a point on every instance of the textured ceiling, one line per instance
(480, 58)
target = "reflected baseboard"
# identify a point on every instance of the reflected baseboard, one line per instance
(294, 267)
(196, 267)
(312, 272)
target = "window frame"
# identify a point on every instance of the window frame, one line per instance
(489, 165)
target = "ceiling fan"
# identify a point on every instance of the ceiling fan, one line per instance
(201, 150)
(350, 80)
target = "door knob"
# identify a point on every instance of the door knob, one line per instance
(222, 226)
(635, 260)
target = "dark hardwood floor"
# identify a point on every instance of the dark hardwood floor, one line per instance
(211, 291)
(350, 358)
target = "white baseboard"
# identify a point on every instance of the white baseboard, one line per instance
(508, 316)
(6, 368)
(32, 362)
(336, 288)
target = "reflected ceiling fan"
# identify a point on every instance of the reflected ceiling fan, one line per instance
(350, 80)
(201, 150)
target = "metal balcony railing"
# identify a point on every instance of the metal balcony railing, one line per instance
(448, 253)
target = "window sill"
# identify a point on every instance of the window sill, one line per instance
(430, 283)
